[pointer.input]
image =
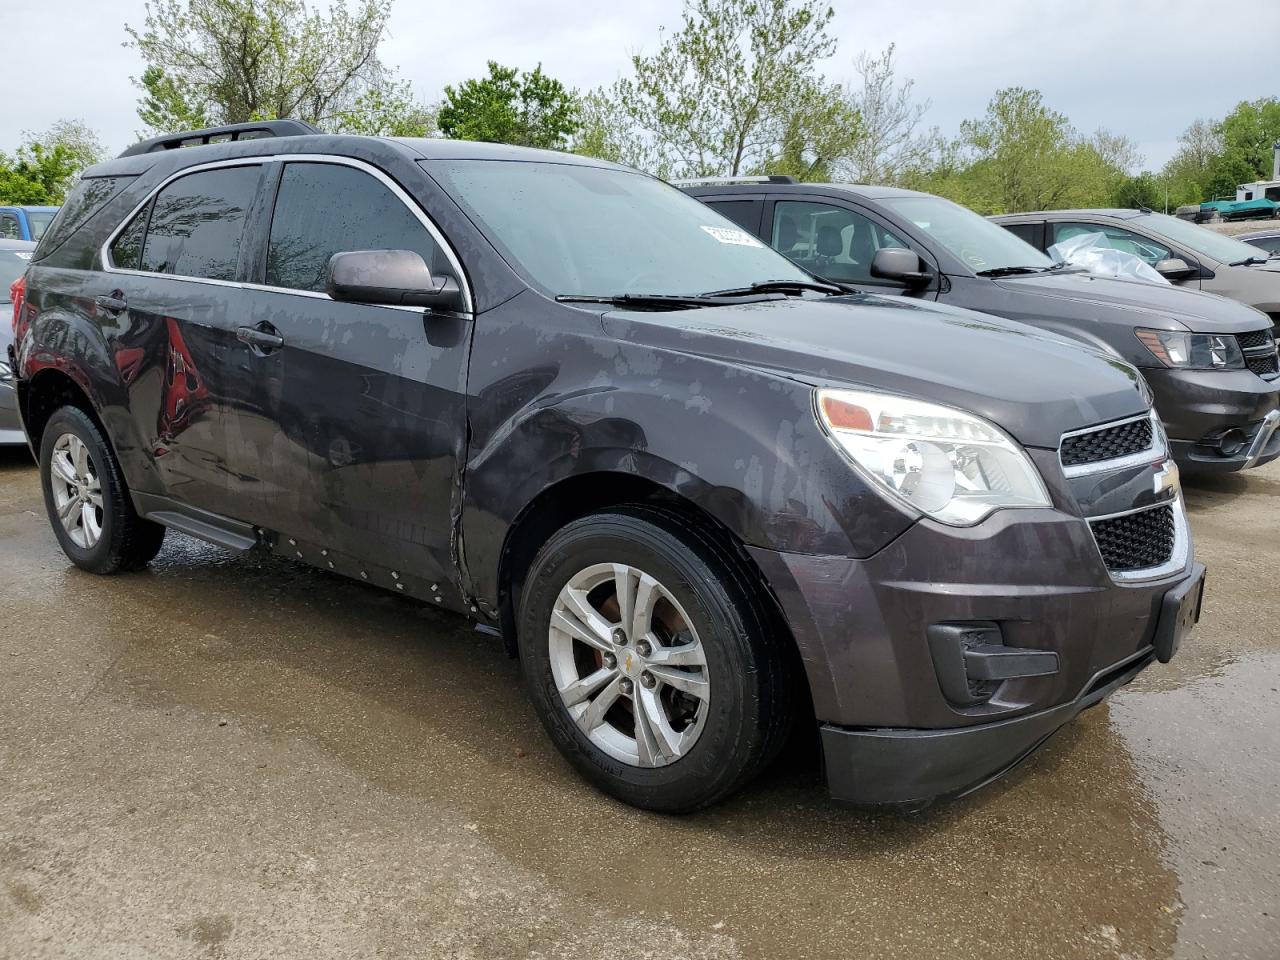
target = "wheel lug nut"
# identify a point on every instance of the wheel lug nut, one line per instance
(610, 660)
(643, 648)
(627, 686)
(619, 637)
(647, 681)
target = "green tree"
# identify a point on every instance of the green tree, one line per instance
(821, 133)
(229, 61)
(890, 146)
(45, 166)
(1249, 133)
(528, 109)
(718, 96)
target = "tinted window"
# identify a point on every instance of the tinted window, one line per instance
(87, 198)
(584, 230)
(831, 241)
(745, 213)
(323, 209)
(1270, 244)
(1117, 238)
(197, 224)
(127, 249)
(1027, 231)
(9, 229)
(977, 241)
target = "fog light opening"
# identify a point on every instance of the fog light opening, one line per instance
(1232, 443)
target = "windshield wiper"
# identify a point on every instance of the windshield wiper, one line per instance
(1249, 261)
(660, 301)
(1010, 271)
(781, 286)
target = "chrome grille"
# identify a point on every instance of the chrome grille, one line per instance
(1108, 442)
(1137, 541)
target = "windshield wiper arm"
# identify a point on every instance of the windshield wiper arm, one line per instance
(669, 301)
(1249, 261)
(1010, 271)
(781, 286)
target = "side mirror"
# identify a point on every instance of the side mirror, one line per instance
(1175, 268)
(389, 277)
(900, 265)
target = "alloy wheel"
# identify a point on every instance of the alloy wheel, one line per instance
(77, 491)
(629, 665)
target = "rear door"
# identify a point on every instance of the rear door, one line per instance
(348, 431)
(174, 304)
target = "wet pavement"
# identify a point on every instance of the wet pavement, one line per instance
(230, 756)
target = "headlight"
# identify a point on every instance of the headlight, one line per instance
(951, 465)
(1194, 351)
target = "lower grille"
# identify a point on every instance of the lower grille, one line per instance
(1136, 541)
(1107, 443)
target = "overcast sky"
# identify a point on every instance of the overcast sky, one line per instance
(1144, 68)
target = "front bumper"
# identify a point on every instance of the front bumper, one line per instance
(890, 732)
(1201, 407)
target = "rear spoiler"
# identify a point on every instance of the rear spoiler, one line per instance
(255, 130)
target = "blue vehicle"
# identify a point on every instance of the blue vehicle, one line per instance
(25, 223)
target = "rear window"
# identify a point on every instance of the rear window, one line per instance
(87, 197)
(13, 264)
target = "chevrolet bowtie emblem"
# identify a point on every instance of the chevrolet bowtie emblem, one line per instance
(1166, 478)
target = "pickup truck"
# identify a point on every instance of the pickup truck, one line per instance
(25, 223)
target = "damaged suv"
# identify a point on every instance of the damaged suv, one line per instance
(702, 495)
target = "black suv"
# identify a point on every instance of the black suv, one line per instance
(1211, 362)
(701, 494)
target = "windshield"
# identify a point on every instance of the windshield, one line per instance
(590, 231)
(13, 264)
(40, 220)
(977, 241)
(1201, 239)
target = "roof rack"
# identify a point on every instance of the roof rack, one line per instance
(715, 181)
(232, 132)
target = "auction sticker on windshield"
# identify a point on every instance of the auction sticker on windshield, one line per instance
(732, 235)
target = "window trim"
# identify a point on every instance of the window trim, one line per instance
(104, 252)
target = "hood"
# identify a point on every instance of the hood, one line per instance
(1032, 384)
(1194, 309)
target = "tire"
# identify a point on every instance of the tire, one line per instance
(724, 735)
(123, 541)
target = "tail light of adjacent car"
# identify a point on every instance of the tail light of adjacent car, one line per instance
(17, 293)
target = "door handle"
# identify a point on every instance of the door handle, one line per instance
(111, 304)
(262, 339)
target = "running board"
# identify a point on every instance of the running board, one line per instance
(210, 527)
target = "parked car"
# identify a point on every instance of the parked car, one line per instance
(1268, 240)
(1211, 363)
(703, 496)
(15, 255)
(25, 223)
(1187, 254)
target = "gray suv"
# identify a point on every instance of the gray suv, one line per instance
(1211, 362)
(705, 498)
(1187, 254)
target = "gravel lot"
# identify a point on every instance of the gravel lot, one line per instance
(235, 757)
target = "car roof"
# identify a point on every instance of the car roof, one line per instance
(28, 207)
(339, 145)
(1114, 214)
(17, 245)
(1259, 234)
(864, 190)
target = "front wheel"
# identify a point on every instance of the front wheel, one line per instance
(650, 661)
(87, 501)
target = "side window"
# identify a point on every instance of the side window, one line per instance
(126, 251)
(9, 229)
(745, 213)
(326, 208)
(1024, 231)
(1116, 238)
(833, 242)
(197, 223)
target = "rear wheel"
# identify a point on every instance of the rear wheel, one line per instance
(650, 660)
(87, 501)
